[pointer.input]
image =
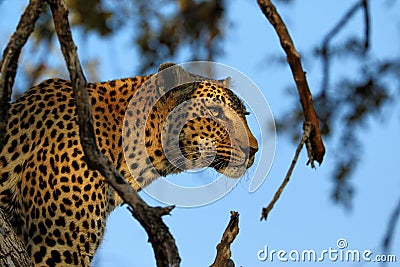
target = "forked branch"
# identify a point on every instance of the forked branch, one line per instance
(312, 134)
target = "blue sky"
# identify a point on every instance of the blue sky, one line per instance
(305, 217)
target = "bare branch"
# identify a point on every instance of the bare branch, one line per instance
(305, 138)
(12, 250)
(293, 58)
(10, 59)
(223, 257)
(163, 243)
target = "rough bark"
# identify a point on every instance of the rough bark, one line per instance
(12, 250)
(223, 258)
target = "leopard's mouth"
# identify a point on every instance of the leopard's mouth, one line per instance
(232, 168)
(230, 162)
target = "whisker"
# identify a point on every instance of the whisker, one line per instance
(220, 163)
(179, 150)
(183, 166)
(197, 147)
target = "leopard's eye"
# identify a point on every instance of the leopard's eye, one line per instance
(216, 112)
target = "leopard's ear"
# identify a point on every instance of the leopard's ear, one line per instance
(165, 65)
(226, 82)
(171, 75)
(177, 72)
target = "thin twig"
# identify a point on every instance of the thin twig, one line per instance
(367, 24)
(341, 23)
(394, 219)
(223, 257)
(293, 58)
(306, 135)
(165, 250)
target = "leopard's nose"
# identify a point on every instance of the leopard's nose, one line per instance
(253, 150)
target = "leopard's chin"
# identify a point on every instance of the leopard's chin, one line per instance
(232, 171)
(250, 161)
(229, 169)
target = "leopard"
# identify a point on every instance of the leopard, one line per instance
(58, 204)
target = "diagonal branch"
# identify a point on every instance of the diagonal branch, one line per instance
(394, 219)
(163, 243)
(10, 59)
(293, 58)
(12, 251)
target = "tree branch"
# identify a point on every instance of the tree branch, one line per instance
(12, 250)
(165, 250)
(10, 59)
(293, 58)
(223, 257)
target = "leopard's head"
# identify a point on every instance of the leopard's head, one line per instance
(185, 121)
(207, 127)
